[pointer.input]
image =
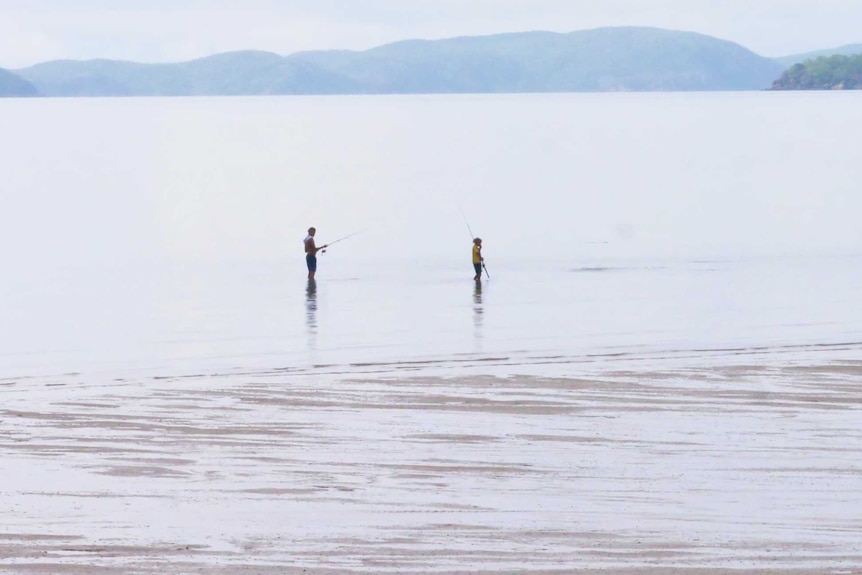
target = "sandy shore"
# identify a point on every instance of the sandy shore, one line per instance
(712, 469)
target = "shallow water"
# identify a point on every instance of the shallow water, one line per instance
(164, 235)
(674, 284)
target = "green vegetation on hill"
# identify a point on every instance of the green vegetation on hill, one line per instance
(832, 73)
(607, 59)
(12, 85)
(848, 50)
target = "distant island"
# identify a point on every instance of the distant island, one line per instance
(624, 59)
(823, 73)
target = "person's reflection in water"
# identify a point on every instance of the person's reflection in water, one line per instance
(478, 312)
(311, 311)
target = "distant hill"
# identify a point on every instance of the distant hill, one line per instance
(12, 85)
(847, 50)
(832, 73)
(607, 59)
(230, 74)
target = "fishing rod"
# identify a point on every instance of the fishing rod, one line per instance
(341, 239)
(472, 237)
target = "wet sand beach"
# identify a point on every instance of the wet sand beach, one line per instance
(737, 465)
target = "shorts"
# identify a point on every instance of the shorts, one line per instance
(311, 262)
(478, 268)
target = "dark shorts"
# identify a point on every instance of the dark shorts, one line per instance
(478, 268)
(311, 262)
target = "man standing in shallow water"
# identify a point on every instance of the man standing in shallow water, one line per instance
(477, 258)
(311, 253)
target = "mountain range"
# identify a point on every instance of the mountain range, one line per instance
(604, 59)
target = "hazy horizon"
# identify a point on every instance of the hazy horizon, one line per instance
(162, 32)
(286, 55)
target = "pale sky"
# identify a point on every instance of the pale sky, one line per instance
(33, 31)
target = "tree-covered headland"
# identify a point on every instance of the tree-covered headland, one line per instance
(824, 73)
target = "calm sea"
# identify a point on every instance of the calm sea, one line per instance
(165, 235)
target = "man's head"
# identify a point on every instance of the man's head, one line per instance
(311, 231)
(477, 241)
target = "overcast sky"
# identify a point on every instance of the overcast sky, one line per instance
(33, 31)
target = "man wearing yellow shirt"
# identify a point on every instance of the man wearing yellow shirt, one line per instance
(477, 258)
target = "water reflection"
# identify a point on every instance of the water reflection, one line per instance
(311, 310)
(478, 311)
